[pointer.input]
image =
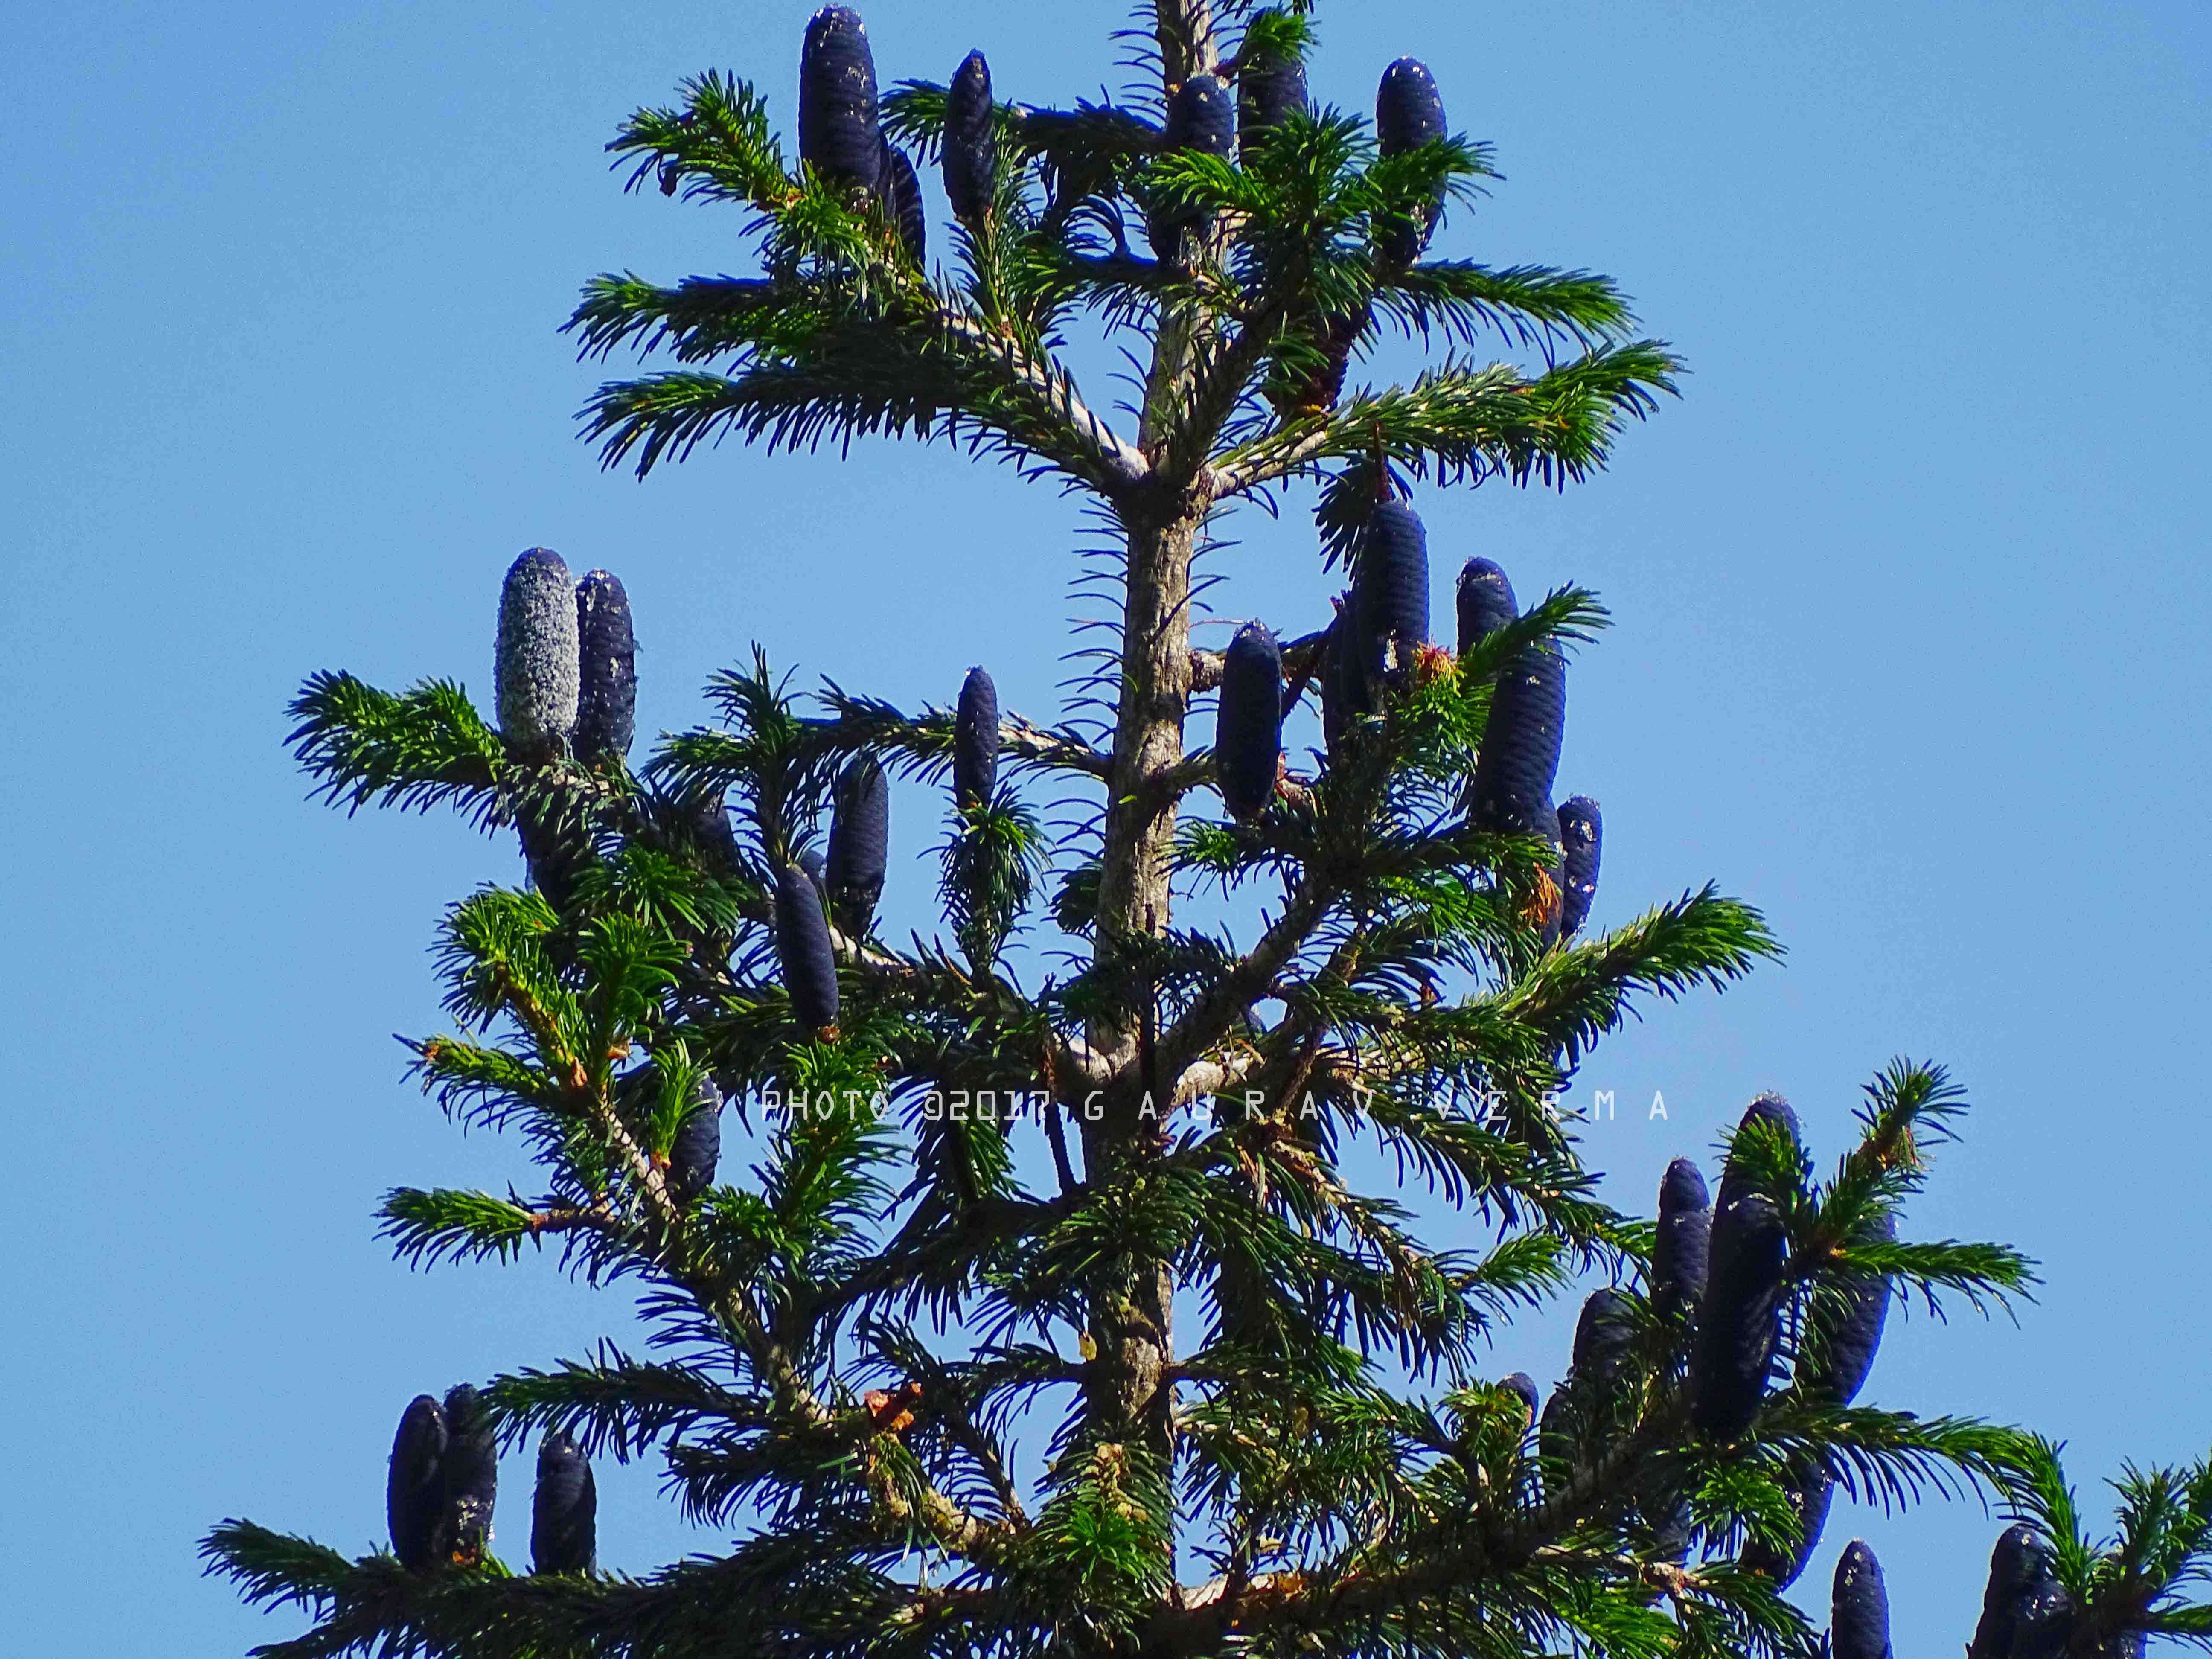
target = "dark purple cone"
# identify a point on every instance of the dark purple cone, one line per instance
(1390, 591)
(901, 192)
(1671, 1531)
(971, 155)
(1740, 1322)
(606, 682)
(1809, 1492)
(1581, 834)
(1522, 1387)
(1511, 793)
(1769, 1108)
(471, 1476)
(1336, 336)
(1604, 1334)
(2018, 1563)
(976, 741)
(859, 846)
(534, 666)
(1847, 1353)
(1343, 694)
(564, 1510)
(803, 950)
(1248, 729)
(697, 1148)
(553, 851)
(838, 135)
(1201, 116)
(710, 815)
(1858, 1622)
(414, 1486)
(817, 866)
(2045, 1624)
(1409, 111)
(1681, 1253)
(1486, 601)
(1270, 89)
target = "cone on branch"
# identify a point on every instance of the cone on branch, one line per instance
(975, 742)
(1409, 112)
(2019, 1564)
(415, 1488)
(1486, 602)
(607, 677)
(470, 1471)
(859, 846)
(564, 1510)
(1845, 1345)
(1779, 1118)
(1681, 1251)
(1247, 740)
(804, 952)
(1390, 592)
(1581, 831)
(1858, 1624)
(697, 1149)
(1270, 88)
(535, 667)
(1740, 1321)
(1519, 760)
(901, 192)
(1201, 116)
(838, 132)
(1809, 1487)
(971, 148)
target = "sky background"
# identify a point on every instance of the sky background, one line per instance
(1910, 602)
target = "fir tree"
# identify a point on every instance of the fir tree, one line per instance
(1044, 1314)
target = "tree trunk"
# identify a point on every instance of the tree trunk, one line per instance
(1127, 1396)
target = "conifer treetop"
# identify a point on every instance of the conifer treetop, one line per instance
(1023, 1295)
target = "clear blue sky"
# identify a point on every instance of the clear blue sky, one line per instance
(1912, 604)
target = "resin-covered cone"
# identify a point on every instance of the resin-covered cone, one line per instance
(1390, 590)
(1519, 760)
(414, 1485)
(1484, 602)
(1681, 1251)
(1858, 1623)
(1271, 88)
(606, 685)
(1201, 116)
(1409, 111)
(1581, 836)
(536, 661)
(1808, 1490)
(2018, 1563)
(1769, 1108)
(471, 1476)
